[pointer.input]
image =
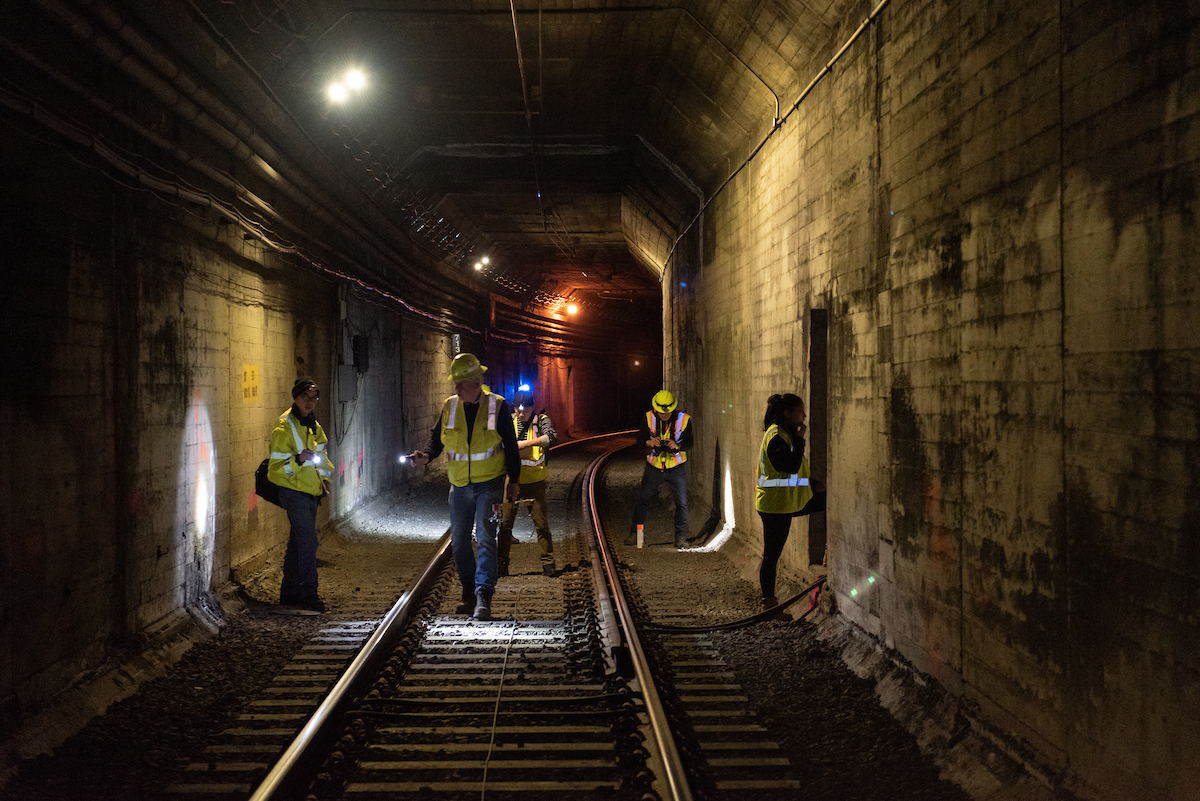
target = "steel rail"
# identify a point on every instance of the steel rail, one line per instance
(672, 765)
(295, 769)
(292, 773)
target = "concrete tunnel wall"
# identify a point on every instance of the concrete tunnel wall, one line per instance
(994, 205)
(993, 202)
(149, 351)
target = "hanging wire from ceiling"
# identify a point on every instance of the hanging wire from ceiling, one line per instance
(364, 142)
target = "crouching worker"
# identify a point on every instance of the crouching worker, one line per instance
(535, 435)
(476, 431)
(300, 467)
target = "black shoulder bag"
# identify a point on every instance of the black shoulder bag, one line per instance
(263, 487)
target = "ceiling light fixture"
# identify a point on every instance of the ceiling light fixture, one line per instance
(355, 80)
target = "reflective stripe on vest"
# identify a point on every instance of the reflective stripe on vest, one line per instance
(324, 468)
(780, 493)
(481, 460)
(662, 458)
(532, 469)
(286, 471)
(790, 481)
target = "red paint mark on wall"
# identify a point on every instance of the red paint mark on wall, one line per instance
(252, 501)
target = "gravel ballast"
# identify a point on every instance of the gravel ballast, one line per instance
(827, 717)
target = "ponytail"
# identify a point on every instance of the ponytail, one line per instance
(777, 405)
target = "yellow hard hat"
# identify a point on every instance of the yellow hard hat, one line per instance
(465, 366)
(663, 402)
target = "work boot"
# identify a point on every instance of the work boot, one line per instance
(483, 604)
(550, 570)
(501, 567)
(632, 538)
(467, 606)
(771, 603)
(312, 603)
(681, 543)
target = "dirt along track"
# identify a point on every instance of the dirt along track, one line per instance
(827, 723)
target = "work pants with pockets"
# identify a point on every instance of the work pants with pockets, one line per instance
(535, 492)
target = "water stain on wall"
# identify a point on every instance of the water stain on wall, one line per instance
(908, 470)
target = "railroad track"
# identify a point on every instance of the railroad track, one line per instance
(570, 692)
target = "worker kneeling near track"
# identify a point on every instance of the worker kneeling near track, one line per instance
(535, 435)
(476, 431)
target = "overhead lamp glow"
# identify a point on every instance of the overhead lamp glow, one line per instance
(478, 265)
(572, 308)
(338, 93)
(355, 79)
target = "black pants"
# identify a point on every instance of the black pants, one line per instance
(776, 528)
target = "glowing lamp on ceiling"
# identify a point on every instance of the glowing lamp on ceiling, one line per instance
(354, 81)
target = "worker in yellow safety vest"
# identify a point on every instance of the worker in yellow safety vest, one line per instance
(475, 429)
(784, 488)
(667, 434)
(301, 469)
(535, 435)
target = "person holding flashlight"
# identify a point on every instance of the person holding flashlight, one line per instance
(300, 467)
(475, 429)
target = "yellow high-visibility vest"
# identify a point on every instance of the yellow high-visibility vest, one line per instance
(483, 459)
(777, 492)
(533, 466)
(288, 439)
(662, 459)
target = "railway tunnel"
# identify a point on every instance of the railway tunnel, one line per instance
(961, 231)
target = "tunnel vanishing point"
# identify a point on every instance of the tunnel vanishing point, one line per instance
(962, 230)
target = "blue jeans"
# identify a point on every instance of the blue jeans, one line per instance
(652, 479)
(300, 560)
(471, 508)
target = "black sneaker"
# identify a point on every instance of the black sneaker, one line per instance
(551, 571)
(501, 567)
(312, 603)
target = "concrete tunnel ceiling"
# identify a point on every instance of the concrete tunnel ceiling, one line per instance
(571, 145)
